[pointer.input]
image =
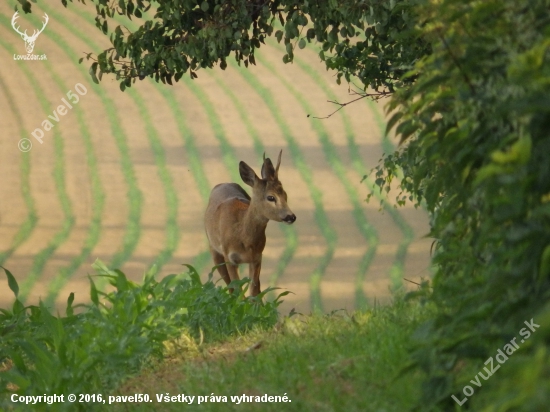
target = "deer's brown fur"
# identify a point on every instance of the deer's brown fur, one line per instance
(235, 223)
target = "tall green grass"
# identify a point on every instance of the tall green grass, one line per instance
(94, 347)
(353, 362)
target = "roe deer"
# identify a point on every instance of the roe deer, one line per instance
(235, 223)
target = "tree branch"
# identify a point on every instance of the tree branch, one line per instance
(375, 97)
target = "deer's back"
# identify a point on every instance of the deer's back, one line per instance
(227, 191)
(227, 204)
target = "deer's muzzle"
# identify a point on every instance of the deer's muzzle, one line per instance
(290, 219)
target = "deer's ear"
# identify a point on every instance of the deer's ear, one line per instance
(247, 174)
(268, 171)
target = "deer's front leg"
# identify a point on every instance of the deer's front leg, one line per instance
(233, 271)
(254, 274)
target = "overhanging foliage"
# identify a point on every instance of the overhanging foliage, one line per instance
(372, 40)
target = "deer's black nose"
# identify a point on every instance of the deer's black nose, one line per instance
(290, 219)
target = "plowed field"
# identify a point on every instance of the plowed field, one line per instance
(125, 177)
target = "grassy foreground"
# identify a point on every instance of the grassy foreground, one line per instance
(179, 342)
(337, 362)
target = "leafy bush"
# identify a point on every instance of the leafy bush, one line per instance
(118, 332)
(476, 123)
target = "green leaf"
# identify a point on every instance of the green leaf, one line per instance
(394, 119)
(12, 283)
(545, 263)
(302, 43)
(405, 130)
(289, 48)
(17, 307)
(519, 153)
(204, 6)
(488, 171)
(93, 292)
(69, 311)
(92, 71)
(121, 282)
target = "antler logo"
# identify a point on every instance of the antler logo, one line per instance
(29, 40)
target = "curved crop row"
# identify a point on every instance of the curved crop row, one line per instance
(134, 231)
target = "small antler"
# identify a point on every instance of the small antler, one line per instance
(278, 164)
(270, 172)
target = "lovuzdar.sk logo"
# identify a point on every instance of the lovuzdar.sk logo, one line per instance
(29, 40)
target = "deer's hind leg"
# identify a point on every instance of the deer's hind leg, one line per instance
(254, 274)
(222, 270)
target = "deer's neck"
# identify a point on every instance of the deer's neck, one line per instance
(254, 224)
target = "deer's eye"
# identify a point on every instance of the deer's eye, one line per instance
(271, 198)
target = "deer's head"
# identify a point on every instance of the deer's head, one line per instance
(267, 193)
